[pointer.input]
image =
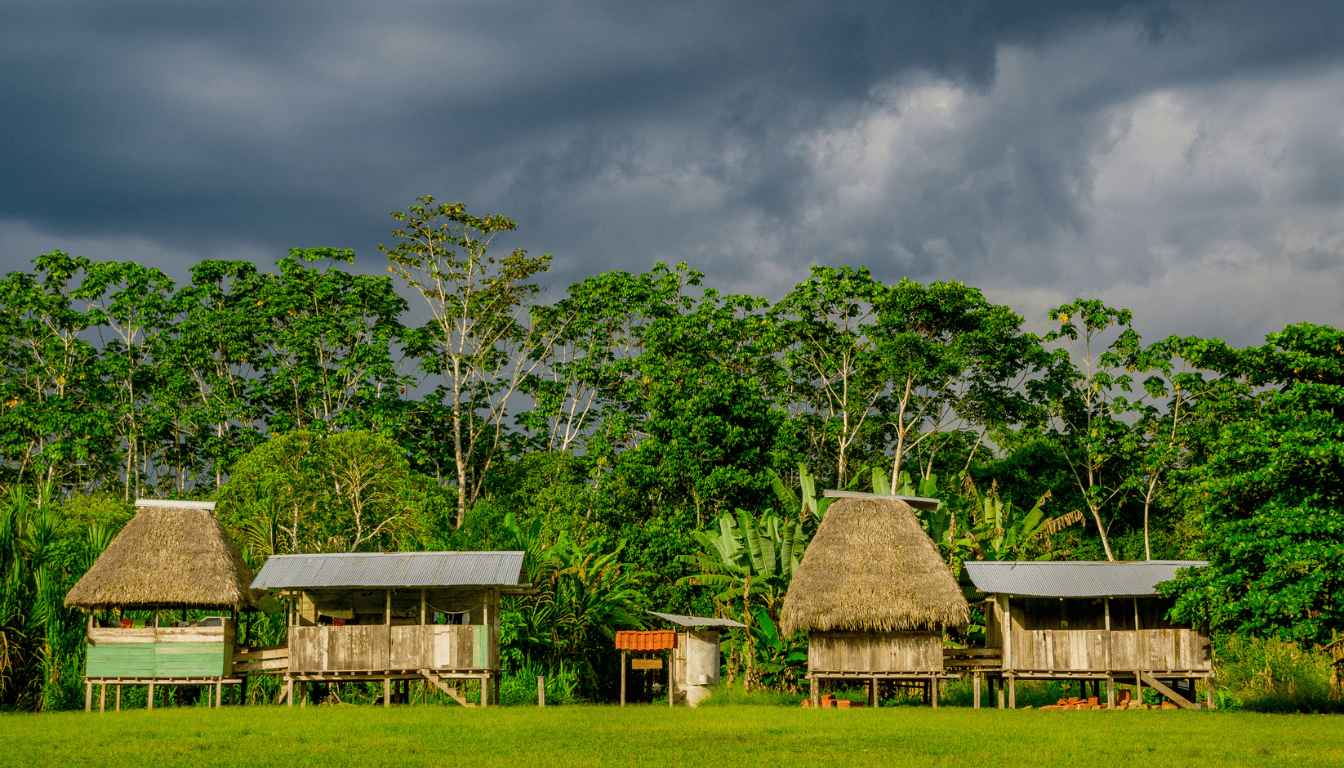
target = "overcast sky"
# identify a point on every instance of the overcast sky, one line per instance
(1184, 160)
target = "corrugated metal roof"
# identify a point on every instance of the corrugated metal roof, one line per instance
(918, 502)
(697, 621)
(393, 569)
(1075, 579)
(173, 504)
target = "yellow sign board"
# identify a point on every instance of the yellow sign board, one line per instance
(646, 663)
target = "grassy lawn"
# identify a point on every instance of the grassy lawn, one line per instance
(742, 737)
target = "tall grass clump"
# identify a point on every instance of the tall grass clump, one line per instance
(1272, 675)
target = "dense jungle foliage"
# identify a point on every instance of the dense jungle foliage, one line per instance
(651, 442)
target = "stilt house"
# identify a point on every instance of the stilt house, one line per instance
(394, 617)
(1088, 621)
(173, 556)
(874, 595)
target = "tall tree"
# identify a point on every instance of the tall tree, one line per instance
(482, 342)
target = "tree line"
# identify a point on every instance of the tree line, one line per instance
(636, 413)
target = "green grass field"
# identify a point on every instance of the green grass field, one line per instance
(740, 736)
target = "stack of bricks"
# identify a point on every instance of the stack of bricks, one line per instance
(830, 702)
(1124, 703)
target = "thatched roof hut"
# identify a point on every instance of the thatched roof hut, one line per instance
(172, 554)
(872, 568)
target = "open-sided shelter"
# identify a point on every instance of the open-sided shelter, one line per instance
(394, 617)
(1087, 621)
(172, 556)
(874, 595)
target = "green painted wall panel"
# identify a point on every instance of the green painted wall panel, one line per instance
(121, 660)
(480, 646)
(158, 660)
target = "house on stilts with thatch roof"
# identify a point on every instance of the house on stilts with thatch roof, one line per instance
(171, 558)
(874, 596)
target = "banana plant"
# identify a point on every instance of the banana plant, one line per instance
(999, 533)
(937, 523)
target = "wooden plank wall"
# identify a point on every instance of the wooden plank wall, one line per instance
(432, 646)
(875, 652)
(160, 651)
(1060, 650)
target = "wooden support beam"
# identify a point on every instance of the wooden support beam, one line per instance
(485, 691)
(219, 694)
(118, 698)
(1012, 693)
(541, 691)
(102, 698)
(933, 691)
(88, 695)
(816, 692)
(1162, 688)
(1110, 692)
(1208, 693)
(387, 686)
(975, 696)
(671, 662)
(872, 694)
(624, 664)
(151, 696)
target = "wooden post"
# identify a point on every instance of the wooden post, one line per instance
(289, 691)
(422, 607)
(1012, 692)
(975, 695)
(671, 662)
(118, 697)
(1007, 633)
(933, 690)
(1136, 615)
(816, 691)
(1208, 692)
(1138, 686)
(387, 691)
(88, 695)
(1110, 691)
(102, 698)
(485, 691)
(151, 696)
(624, 664)
(872, 695)
(219, 694)
(387, 618)
(303, 695)
(541, 691)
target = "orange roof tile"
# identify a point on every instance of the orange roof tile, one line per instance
(657, 640)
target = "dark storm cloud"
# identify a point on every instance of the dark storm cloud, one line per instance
(1009, 145)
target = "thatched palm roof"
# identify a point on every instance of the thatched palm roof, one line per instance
(872, 568)
(167, 556)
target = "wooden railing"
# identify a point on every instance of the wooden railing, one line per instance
(269, 660)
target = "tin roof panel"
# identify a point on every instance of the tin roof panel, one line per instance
(1075, 578)
(395, 569)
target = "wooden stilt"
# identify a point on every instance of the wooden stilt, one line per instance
(1138, 679)
(816, 692)
(303, 694)
(219, 694)
(151, 696)
(624, 664)
(872, 695)
(387, 691)
(118, 697)
(1012, 693)
(671, 686)
(933, 691)
(1110, 691)
(88, 695)
(1208, 692)
(289, 690)
(485, 690)
(975, 695)
(102, 698)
